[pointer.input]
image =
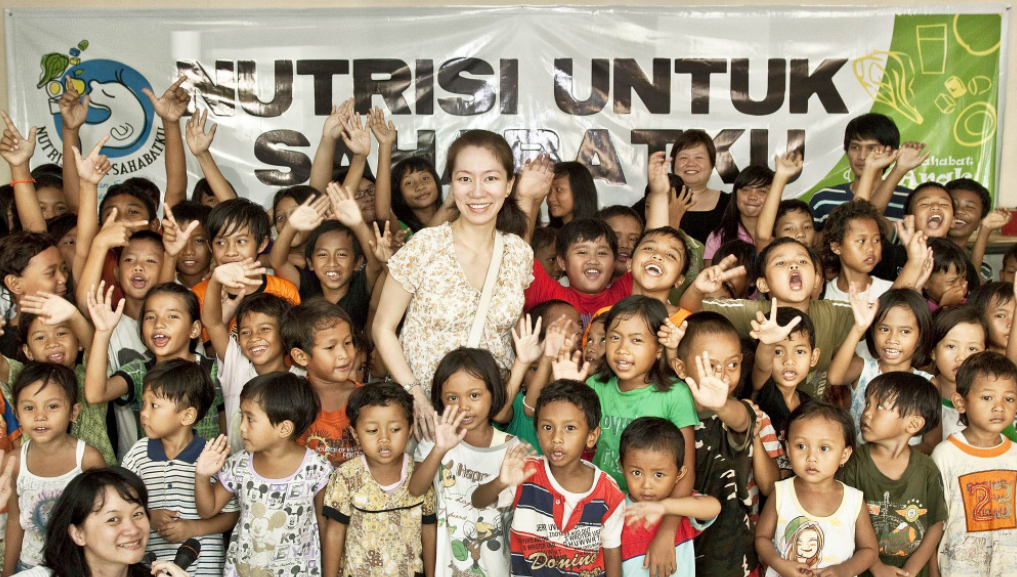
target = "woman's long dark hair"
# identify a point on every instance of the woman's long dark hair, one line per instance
(84, 495)
(511, 219)
(731, 220)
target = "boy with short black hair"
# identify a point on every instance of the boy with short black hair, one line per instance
(577, 530)
(1009, 270)
(902, 486)
(652, 451)
(375, 526)
(931, 210)
(319, 337)
(995, 302)
(948, 284)
(544, 253)
(177, 394)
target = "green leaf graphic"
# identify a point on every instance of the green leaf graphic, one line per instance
(53, 65)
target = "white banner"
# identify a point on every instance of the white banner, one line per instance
(595, 84)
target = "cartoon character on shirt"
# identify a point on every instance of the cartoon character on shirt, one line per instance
(803, 542)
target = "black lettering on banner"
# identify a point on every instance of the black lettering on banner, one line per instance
(820, 83)
(776, 74)
(628, 77)
(322, 71)
(655, 140)
(481, 92)
(425, 148)
(726, 167)
(219, 94)
(425, 87)
(700, 69)
(597, 152)
(564, 93)
(282, 96)
(508, 91)
(528, 143)
(267, 149)
(391, 89)
(759, 146)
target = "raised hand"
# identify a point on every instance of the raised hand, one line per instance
(73, 109)
(344, 205)
(863, 307)
(447, 433)
(385, 134)
(534, 180)
(656, 173)
(116, 233)
(712, 279)
(198, 140)
(333, 127)
(927, 266)
(50, 308)
(94, 167)
(237, 275)
(788, 164)
(996, 219)
(954, 295)
(678, 205)
(229, 305)
(14, 148)
(527, 341)
(711, 391)
(212, 457)
(567, 366)
(669, 336)
(172, 104)
(910, 155)
(881, 157)
(6, 484)
(383, 244)
(513, 467)
(99, 302)
(355, 136)
(173, 238)
(767, 330)
(650, 512)
(906, 229)
(309, 215)
(555, 335)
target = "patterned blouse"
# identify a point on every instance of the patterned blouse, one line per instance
(444, 303)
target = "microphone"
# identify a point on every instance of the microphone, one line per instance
(187, 553)
(148, 559)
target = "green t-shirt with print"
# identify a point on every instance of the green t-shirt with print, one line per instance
(521, 426)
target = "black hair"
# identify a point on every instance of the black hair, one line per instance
(947, 318)
(824, 410)
(921, 188)
(584, 191)
(700, 324)
(400, 208)
(973, 186)
(674, 234)
(542, 311)
(983, 297)
(148, 188)
(910, 394)
(203, 188)
(653, 434)
(905, 298)
(7, 205)
(582, 230)
(304, 320)
(378, 395)
(839, 222)
(19, 248)
(510, 218)
(340, 172)
(1011, 253)
(872, 126)
(48, 169)
(576, 393)
(284, 397)
(477, 363)
(753, 175)
(980, 366)
(654, 314)
(745, 252)
(616, 210)
(804, 327)
(298, 194)
(691, 139)
(48, 180)
(543, 236)
(190, 301)
(24, 328)
(132, 190)
(788, 206)
(764, 255)
(946, 254)
(62, 224)
(269, 304)
(85, 495)
(145, 234)
(189, 210)
(325, 228)
(47, 374)
(230, 216)
(184, 382)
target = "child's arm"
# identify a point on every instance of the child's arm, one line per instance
(209, 498)
(909, 157)
(846, 366)
(918, 559)
(993, 221)
(532, 186)
(333, 543)
(512, 474)
(347, 212)
(319, 511)
(357, 139)
(73, 112)
(528, 351)
(768, 332)
(712, 393)
(554, 342)
(237, 276)
(710, 279)
(170, 107)
(305, 218)
(918, 267)
(768, 554)
(1011, 345)
(14, 534)
(866, 550)
(98, 388)
(764, 468)
(174, 240)
(429, 543)
(113, 234)
(53, 310)
(324, 156)
(700, 507)
(612, 562)
(872, 174)
(179, 530)
(657, 200)
(762, 366)
(386, 136)
(17, 151)
(199, 142)
(788, 166)
(90, 170)
(447, 435)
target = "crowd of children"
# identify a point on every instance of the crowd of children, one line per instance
(379, 378)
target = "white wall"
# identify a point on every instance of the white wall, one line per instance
(1008, 181)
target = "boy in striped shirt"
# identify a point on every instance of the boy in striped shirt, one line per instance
(177, 394)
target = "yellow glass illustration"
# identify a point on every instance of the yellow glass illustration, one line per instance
(932, 47)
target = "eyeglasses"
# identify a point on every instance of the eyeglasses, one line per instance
(369, 191)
